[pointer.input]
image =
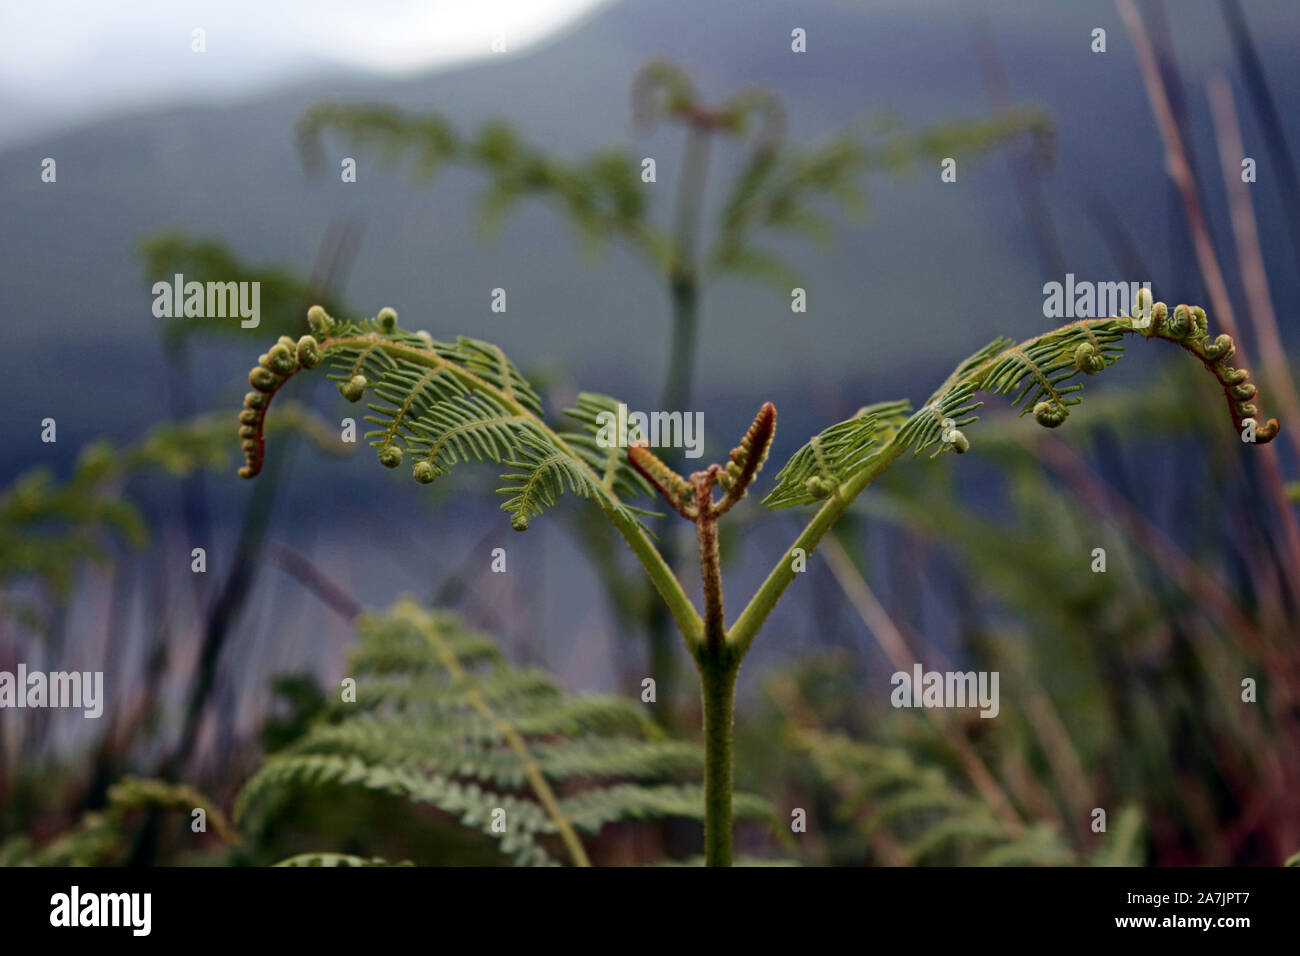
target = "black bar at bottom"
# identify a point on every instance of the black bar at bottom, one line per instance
(584, 907)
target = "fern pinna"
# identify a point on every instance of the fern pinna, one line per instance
(931, 819)
(440, 718)
(444, 403)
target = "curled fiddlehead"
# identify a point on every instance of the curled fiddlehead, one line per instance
(693, 497)
(1188, 326)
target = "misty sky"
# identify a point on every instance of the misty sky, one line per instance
(67, 60)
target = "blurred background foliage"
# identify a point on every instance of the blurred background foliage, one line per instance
(1120, 690)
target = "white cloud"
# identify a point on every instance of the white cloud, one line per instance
(62, 60)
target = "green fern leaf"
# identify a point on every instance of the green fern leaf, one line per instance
(607, 459)
(441, 719)
(884, 788)
(450, 403)
(836, 455)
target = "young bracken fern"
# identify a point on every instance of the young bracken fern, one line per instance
(441, 403)
(440, 718)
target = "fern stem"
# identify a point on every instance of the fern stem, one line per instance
(662, 577)
(747, 625)
(715, 623)
(718, 666)
(718, 691)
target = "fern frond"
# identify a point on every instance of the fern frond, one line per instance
(833, 457)
(893, 147)
(1039, 374)
(442, 720)
(542, 472)
(601, 195)
(593, 809)
(933, 819)
(942, 416)
(403, 651)
(432, 747)
(535, 715)
(1039, 845)
(773, 192)
(608, 459)
(468, 428)
(411, 694)
(445, 403)
(515, 822)
(778, 187)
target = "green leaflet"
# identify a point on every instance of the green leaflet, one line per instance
(441, 719)
(934, 820)
(1036, 374)
(609, 461)
(444, 404)
(836, 455)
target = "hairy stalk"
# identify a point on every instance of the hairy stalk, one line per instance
(717, 661)
(718, 690)
(718, 669)
(715, 624)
